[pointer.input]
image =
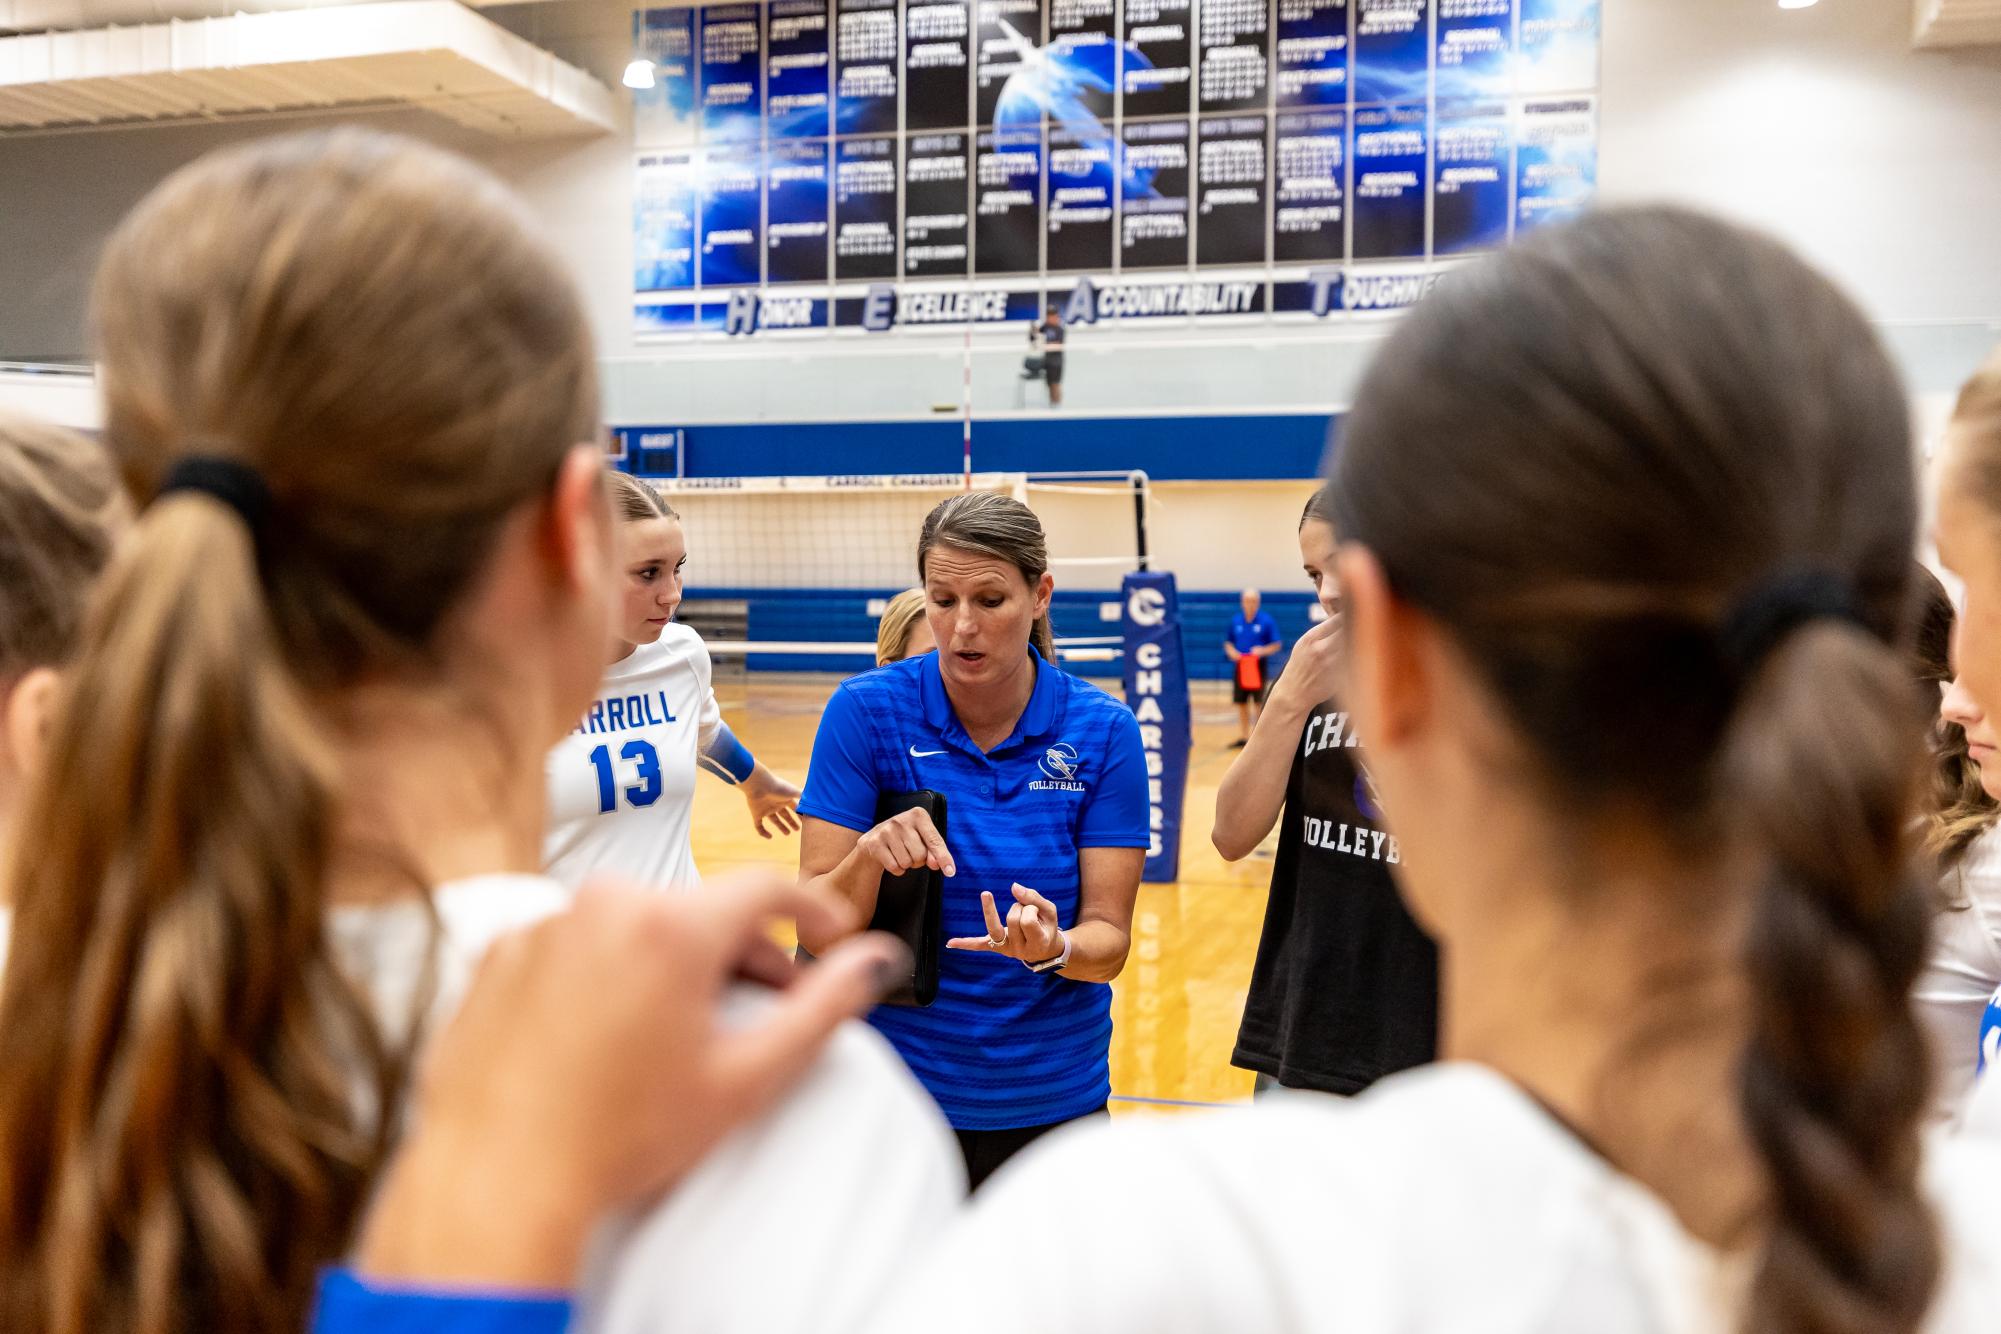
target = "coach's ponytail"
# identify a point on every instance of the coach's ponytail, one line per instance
(1820, 772)
(358, 357)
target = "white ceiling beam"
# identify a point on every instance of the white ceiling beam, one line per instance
(428, 53)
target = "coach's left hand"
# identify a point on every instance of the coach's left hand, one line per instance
(1029, 934)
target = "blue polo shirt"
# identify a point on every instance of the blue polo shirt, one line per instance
(1250, 634)
(1001, 1048)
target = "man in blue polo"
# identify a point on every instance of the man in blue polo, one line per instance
(1045, 835)
(1252, 641)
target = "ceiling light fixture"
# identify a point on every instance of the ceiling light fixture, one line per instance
(639, 74)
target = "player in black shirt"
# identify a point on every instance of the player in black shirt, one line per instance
(1345, 989)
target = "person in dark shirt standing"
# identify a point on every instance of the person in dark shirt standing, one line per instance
(1048, 335)
(1345, 988)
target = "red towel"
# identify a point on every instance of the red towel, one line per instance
(1251, 672)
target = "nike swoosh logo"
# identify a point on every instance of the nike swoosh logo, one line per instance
(917, 754)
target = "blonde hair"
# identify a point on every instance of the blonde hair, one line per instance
(636, 501)
(987, 523)
(899, 618)
(369, 325)
(61, 509)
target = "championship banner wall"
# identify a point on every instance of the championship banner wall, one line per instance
(1156, 680)
(830, 168)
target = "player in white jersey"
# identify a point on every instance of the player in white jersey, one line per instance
(1969, 517)
(1959, 812)
(622, 784)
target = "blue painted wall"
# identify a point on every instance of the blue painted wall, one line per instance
(841, 616)
(1268, 446)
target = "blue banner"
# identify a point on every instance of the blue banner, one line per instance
(663, 223)
(1556, 162)
(1470, 156)
(795, 211)
(679, 317)
(797, 75)
(1307, 223)
(1392, 51)
(664, 115)
(1313, 53)
(867, 59)
(1475, 41)
(1234, 72)
(887, 306)
(1082, 186)
(732, 92)
(732, 219)
(1157, 298)
(865, 208)
(1153, 195)
(1156, 680)
(1007, 231)
(1156, 67)
(1391, 163)
(1558, 46)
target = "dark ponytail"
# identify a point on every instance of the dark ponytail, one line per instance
(1583, 458)
(1821, 769)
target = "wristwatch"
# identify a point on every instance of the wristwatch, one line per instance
(1052, 965)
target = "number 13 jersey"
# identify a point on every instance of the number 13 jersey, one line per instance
(622, 785)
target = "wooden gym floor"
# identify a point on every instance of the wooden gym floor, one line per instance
(1175, 1008)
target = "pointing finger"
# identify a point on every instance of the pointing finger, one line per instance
(941, 856)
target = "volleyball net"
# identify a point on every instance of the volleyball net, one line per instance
(791, 573)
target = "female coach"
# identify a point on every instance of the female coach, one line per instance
(1046, 808)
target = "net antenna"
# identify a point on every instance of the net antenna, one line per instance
(790, 573)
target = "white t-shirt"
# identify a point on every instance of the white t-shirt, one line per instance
(797, 1221)
(1442, 1201)
(1951, 994)
(622, 785)
(383, 948)
(1983, 1105)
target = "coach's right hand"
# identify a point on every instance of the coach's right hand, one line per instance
(906, 841)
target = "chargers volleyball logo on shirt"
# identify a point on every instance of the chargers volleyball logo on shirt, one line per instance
(1366, 799)
(1060, 763)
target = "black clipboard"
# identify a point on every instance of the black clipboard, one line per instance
(911, 906)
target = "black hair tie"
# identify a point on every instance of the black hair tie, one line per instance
(231, 481)
(1769, 614)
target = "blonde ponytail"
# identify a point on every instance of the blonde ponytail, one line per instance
(197, 1099)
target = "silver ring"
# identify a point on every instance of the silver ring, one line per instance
(995, 942)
